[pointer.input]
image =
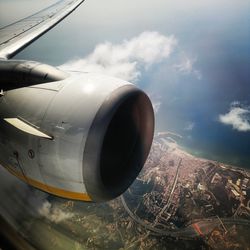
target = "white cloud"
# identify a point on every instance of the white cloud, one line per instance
(238, 117)
(53, 213)
(126, 60)
(189, 126)
(186, 66)
(156, 106)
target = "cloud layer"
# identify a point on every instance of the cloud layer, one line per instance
(126, 60)
(238, 117)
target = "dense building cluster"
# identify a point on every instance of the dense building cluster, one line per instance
(182, 193)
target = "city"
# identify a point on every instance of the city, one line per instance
(178, 201)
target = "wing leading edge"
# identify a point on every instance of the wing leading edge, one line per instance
(17, 36)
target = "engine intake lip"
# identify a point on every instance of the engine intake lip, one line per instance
(118, 143)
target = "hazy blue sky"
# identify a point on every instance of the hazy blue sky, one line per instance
(191, 57)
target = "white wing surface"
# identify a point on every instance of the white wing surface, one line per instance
(17, 36)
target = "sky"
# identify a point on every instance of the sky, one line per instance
(191, 57)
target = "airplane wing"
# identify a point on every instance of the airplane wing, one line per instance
(15, 37)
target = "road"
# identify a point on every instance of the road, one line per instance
(198, 228)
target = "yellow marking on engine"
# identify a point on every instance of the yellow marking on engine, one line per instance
(49, 189)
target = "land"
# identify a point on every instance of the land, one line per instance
(178, 201)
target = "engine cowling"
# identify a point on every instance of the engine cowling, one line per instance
(85, 137)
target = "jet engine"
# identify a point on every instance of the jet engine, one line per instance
(83, 136)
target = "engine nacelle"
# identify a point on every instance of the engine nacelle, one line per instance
(85, 137)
